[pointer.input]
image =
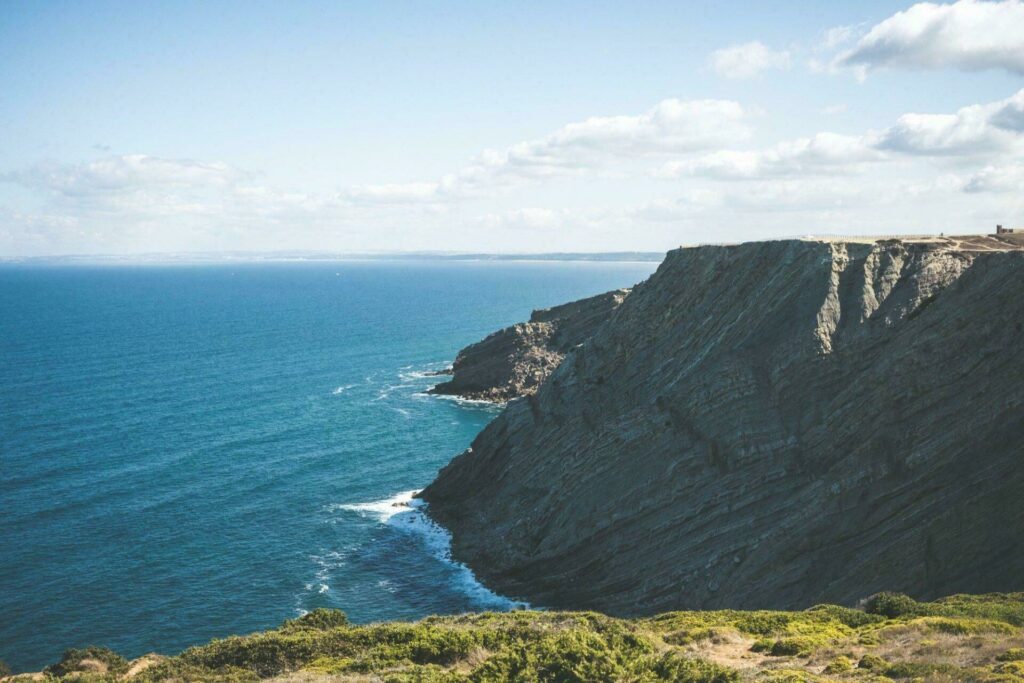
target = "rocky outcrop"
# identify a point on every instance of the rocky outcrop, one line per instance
(765, 425)
(514, 361)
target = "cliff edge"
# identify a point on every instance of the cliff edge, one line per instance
(768, 424)
(514, 361)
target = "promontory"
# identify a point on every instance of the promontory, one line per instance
(766, 425)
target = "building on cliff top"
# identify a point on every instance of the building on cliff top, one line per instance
(1000, 230)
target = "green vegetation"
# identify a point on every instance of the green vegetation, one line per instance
(88, 660)
(978, 639)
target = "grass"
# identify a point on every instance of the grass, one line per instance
(894, 638)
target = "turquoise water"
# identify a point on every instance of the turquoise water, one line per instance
(193, 451)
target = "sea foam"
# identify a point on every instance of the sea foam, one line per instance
(407, 514)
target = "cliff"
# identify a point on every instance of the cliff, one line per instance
(766, 425)
(514, 361)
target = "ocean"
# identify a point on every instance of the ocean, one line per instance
(194, 451)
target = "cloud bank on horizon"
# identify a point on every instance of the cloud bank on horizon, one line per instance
(848, 128)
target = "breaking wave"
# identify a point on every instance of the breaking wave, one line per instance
(407, 514)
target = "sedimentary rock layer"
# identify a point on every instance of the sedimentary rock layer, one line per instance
(770, 424)
(514, 361)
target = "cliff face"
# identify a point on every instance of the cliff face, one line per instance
(765, 425)
(514, 361)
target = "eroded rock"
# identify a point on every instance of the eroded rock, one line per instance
(770, 424)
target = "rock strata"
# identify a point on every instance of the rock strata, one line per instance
(514, 361)
(762, 425)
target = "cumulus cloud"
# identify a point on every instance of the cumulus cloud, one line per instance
(1008, 178)
(825, 153)
(396, 193)
(527, 218)
(671, 126)
(117, 201)
(968, 34)
(123, 173)
(974, 134)
(748, 60)
(973, 131)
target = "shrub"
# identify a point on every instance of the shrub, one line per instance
(266, 654)
(892, 605)
(320, 619)
(177, 670)
(1005, 607)
(437, 646)
(1011, 669)
(1014, 654)
(80, 660)
(854, 618)
(839, 665)
(673, 667)
(4, 669)
(872, 662)
(790, 676)
(786, 647)
(921, 670)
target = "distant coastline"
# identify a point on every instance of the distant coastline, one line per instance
(326, 257)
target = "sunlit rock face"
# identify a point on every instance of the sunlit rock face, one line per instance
(768, 424)
(514, 361)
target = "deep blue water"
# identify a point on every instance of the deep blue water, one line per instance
(184, 450)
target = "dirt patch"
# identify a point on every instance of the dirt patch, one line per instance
(729, 648)
(137, 666)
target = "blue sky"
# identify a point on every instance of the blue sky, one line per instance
(385, 126)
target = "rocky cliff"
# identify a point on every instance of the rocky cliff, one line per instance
(514, 361)
(766, 425)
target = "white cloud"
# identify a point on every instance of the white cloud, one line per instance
(973, 131)
(838, 36)
(925, 169)
(748, 60)
(671, 126)
(968, 34)
(834, 109)
(825, 153)
(527, 218)
(124, 173)
(398, 193)
(1008, 178)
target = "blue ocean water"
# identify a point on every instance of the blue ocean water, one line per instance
(188, 452)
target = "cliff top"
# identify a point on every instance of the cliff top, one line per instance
(963, 637)
(964, 243)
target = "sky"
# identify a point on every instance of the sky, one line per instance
(134, 128)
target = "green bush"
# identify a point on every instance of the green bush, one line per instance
(789, 676)
(786, 647)
(177, 670)
(320, 619)
(853, 618)
(72, 661)
(872, 662)
(673, 667)
(921, 670)
(1014, 669)
(586, 646)
(266, 654)
(4, 669)
(892, 605)
(839, 665)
